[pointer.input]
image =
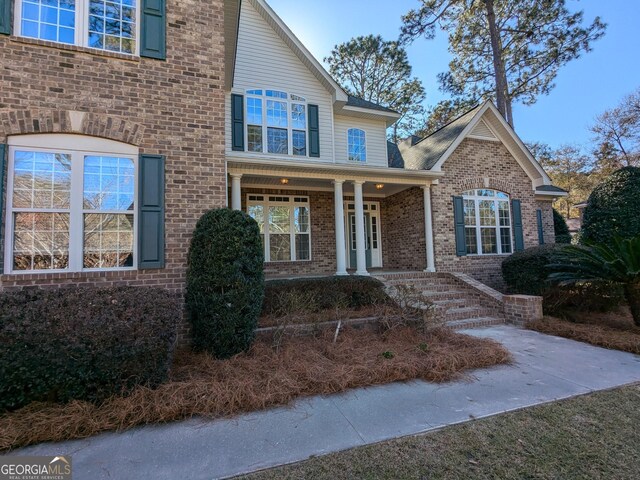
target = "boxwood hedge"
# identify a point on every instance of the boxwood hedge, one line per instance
(83, 343)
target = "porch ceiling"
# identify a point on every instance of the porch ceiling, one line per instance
(296, 183)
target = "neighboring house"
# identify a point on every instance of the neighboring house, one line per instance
(120, 126)
(312, 165)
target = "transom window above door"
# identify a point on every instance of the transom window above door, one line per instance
(487, 222)
(106, 25)
(276, 122)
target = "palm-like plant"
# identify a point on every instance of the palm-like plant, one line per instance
(618, 262)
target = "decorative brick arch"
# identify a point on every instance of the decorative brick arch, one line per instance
(21, 122)
(487, 182)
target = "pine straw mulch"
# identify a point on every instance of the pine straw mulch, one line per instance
(328, 315)
(261, 378)
(614, 330)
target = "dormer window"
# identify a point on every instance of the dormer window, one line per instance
(278, 117)
(357, 142)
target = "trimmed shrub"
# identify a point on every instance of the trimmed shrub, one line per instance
(326, 292)
(527, 273)
(613, 207)
(225, 282)
(83, 343)
(560, 228)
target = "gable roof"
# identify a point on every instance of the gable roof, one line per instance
(424, 154)
(433, 151)
(340, 97)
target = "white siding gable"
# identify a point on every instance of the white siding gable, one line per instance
(376, 139)
(264, 61)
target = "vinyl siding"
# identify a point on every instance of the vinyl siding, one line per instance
(376, 138)
(264, 61)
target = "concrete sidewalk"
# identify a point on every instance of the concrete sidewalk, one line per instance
(547, 368)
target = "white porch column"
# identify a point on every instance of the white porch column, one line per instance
(341, 268)
(236, 196)
(428, 229)
(361, 258)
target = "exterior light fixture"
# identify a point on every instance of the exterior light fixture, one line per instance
(284, 181)
(379, 186)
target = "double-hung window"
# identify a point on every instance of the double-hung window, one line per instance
(276, 123)
(103, 24)
(70, 210)
(284, 224)
(357, 145)
(487, 220)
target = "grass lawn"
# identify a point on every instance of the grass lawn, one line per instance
(265, 376)
(593, 436)
(614, 330)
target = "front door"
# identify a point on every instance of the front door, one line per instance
(352, 239)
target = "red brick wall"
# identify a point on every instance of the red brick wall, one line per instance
(403, 245)
(173, 107)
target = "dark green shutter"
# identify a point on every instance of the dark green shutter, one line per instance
(314, 131)
(540, 228)
(5, 17)
(3, 166)
(153, 29)
(458, 218)
(517, 225)
(237, 119)
(151, 212)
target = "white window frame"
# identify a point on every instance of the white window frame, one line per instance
(81, 27)
(265, 127)
(366, 149)
(292, 204)
(478, 227)
(59, 143)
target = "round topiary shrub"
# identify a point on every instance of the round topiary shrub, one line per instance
(560, 228)
(225, 282)
(613, 207)
(526, 272)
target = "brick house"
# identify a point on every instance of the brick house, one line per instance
(121, 123)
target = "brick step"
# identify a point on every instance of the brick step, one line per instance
(468, 312)
(424, 281)
(444, 294)
(454, 302)
(475, 322)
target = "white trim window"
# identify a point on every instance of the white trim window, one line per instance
(278, 117)
(285, 226)
(70, 209)
(357, 145)
(105, 25)
(487, 220)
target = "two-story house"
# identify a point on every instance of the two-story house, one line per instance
(122, 121)
(313, 166)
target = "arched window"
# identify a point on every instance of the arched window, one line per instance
(71, 204)
(357, 145)
(279, 117)
(487, 220)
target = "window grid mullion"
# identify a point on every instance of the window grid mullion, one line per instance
(497, 217)
(76, 220)
(292, 235)
(478, 227)
(267, 240)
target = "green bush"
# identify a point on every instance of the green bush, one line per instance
(527, 273)
(613, 208)
(83, 343)
(560, 228)
(225, 282)
(326, 293)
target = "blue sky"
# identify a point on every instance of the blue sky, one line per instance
(584, 87)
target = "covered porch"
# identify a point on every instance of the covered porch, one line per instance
(337, 219)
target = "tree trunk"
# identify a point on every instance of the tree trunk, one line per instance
(498, 61)
(509, 117)
(632, 295)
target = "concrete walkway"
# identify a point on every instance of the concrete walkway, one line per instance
(547, 368)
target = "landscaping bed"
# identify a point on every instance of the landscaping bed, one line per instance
(593, 436)
(614, 330)
(265, 376)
